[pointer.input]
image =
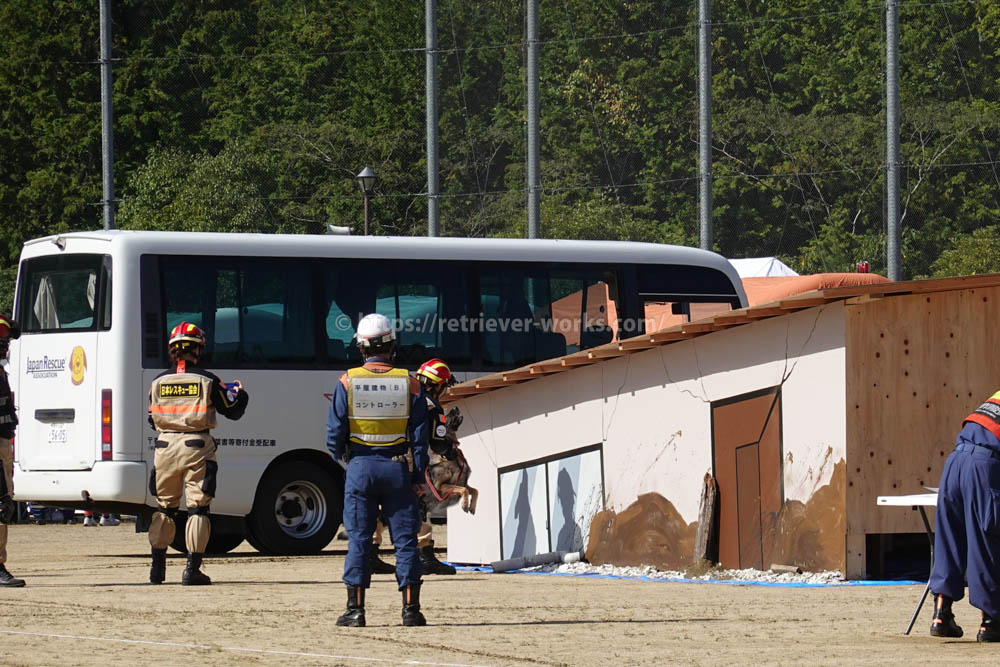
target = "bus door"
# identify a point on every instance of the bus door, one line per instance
(57, 395)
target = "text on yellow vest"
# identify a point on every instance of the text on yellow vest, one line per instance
(378, 406)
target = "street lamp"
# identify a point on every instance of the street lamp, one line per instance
(366, 179)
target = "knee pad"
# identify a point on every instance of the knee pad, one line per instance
(170, 512)
(198, 510)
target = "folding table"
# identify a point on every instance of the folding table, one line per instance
(917, 501)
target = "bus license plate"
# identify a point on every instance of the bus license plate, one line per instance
(58, 434)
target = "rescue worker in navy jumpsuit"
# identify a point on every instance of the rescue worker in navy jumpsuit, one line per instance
(378, 424)
(9, 330)
(967, 526)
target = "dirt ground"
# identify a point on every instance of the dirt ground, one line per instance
(88, 602)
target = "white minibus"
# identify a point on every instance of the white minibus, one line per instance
(279, 312)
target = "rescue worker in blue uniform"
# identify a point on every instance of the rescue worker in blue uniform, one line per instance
(967, 526)
(183, 402)
(378, 425)
(8, 422)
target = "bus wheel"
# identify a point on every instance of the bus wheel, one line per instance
(297, 510)
(218, 543)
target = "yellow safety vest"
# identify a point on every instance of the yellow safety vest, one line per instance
(378, 406)
(180, 402)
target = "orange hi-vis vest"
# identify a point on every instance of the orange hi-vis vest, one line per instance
(378, 406)
(987, 415)
(179, 402)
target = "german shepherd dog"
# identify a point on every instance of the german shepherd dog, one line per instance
(448, 472)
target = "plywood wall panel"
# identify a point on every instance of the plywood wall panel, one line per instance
(916, 365)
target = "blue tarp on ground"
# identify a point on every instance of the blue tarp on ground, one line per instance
(681, 580)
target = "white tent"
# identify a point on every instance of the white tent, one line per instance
(761, 267)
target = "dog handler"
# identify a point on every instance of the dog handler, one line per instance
(377, 423)
(8, 422)
(183, 401)
(967, 530)
(435, 376)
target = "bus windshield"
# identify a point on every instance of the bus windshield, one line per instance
(66, 292)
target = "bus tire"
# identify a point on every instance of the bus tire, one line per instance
(218, 543)
(297, 510)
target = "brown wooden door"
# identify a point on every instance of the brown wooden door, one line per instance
(746, 445)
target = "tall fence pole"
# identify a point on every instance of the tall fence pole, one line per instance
(705, 123)
(534, 181)
(107, 119)
(431, 60)
(892, 137)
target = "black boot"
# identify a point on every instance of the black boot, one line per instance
(354, 617)
(158, 572)
(378, 566)
(989, 630)
(8, 579)
(431, 564)
(411, 606)
(943, 624)
(193, 576)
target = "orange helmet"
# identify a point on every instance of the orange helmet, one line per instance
(435, 372)
(185, 332)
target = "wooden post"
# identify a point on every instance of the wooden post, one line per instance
(706, 542)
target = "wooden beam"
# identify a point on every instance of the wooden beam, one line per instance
(520, 374)
(688, 329)
(750, 314)
(667, 336)
(606, 352)
(576, 361)
(490, 381)
(637, 344)
(460, 391)
(545, 369)
(795, 303)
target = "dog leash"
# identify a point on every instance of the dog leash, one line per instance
(434, 491)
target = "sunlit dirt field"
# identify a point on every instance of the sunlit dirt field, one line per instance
(88, 602)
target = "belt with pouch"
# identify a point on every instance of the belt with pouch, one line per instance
(970, 448)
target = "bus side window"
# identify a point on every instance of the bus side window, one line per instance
(252, 311)
(349, 290)
(517, 323)
(423, 301)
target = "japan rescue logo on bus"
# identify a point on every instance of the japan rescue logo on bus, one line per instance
(77, 365)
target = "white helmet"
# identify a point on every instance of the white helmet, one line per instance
(375, 332)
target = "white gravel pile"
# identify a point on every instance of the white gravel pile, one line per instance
(828, 578)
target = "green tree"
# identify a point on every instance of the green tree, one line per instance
(970, 254)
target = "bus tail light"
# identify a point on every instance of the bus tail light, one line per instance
(105, 424)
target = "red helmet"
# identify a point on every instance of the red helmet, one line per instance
(8, 328)
(185, 332)
(435, 372)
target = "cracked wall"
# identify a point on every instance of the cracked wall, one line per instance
(651, 412)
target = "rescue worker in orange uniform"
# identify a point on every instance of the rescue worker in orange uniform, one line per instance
(378, 424)
(435, 376)
(8, 422)
(183, 402)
